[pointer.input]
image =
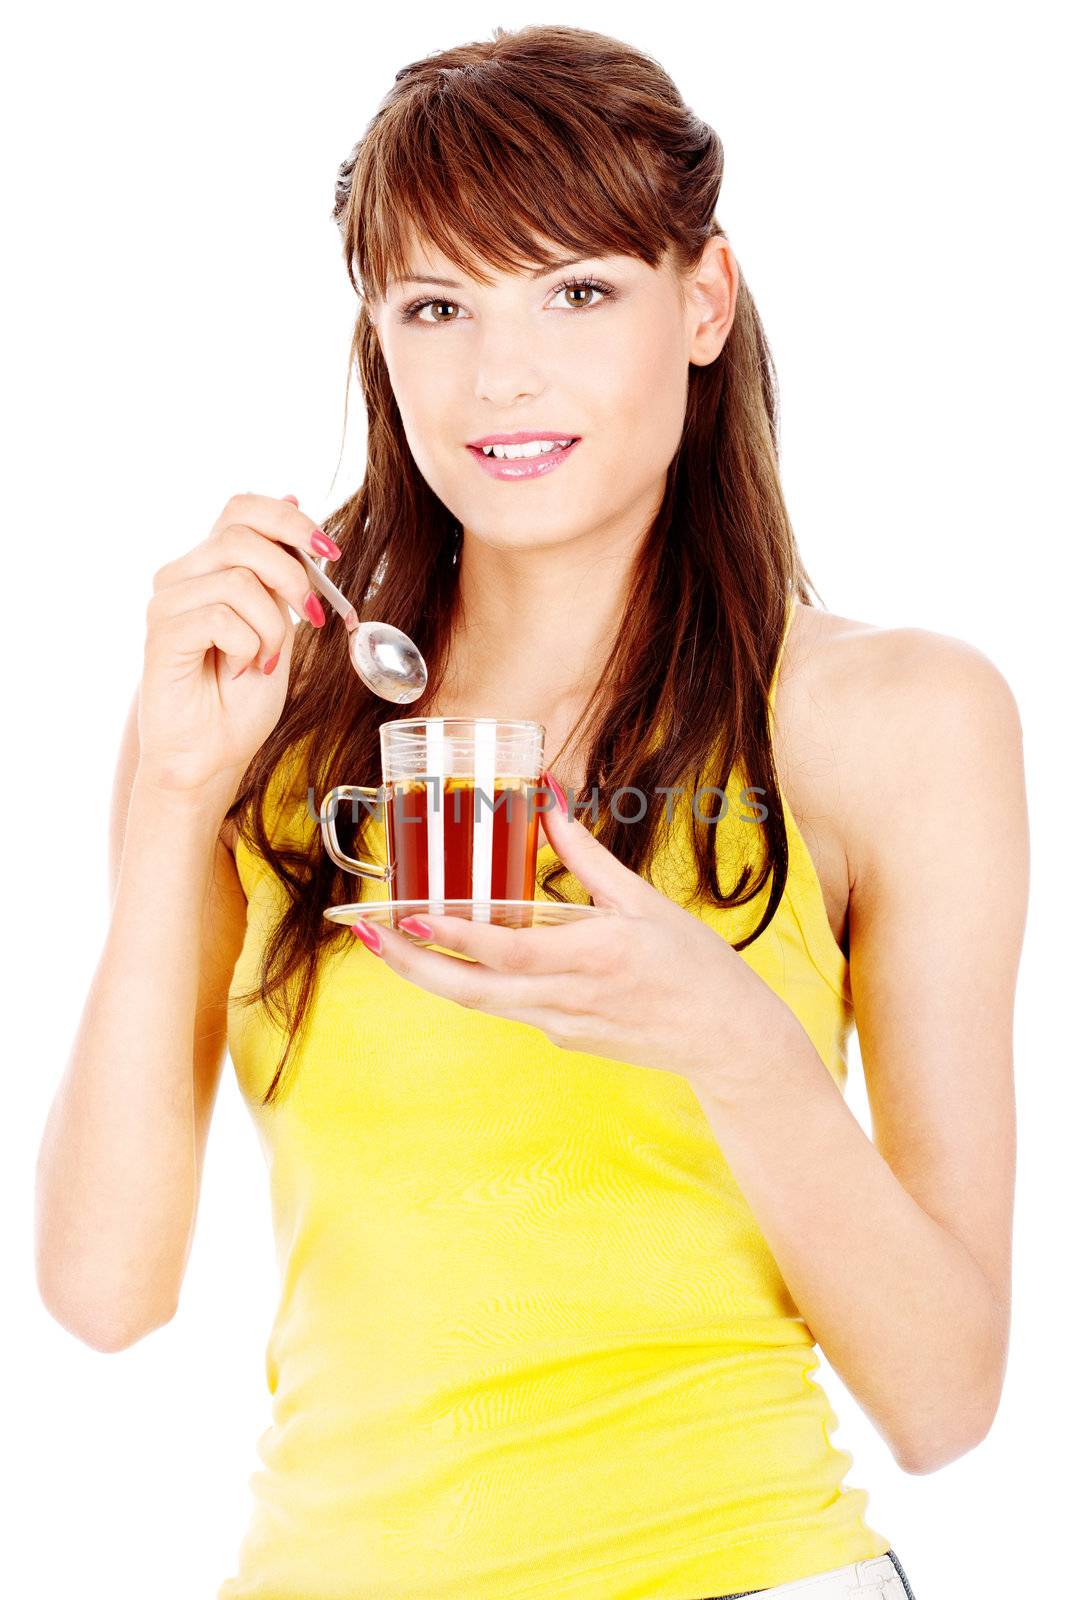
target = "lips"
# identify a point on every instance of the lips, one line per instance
(523, 467)
(525, 437)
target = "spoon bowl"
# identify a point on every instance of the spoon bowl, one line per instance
(383, 656)
(387, 661)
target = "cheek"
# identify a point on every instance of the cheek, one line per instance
(412, 394)
(424, 408)
(642, 389)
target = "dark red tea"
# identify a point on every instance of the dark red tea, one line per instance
(455, 840)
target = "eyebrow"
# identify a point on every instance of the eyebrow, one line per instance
(452, 283)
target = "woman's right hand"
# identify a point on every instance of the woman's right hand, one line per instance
(217, 617)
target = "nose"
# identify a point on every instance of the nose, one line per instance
(506, 369)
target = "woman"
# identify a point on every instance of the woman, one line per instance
(559, 1225)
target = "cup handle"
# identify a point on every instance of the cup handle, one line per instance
(328, 820)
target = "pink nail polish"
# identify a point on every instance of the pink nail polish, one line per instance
(313, 608)
(269, 666)
(561, 798)
(323, 545)
(293, 501)
(370, 936)
(418, 926)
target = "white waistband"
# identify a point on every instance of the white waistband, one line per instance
(874, 1579)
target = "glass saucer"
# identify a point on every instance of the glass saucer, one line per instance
(504, 913)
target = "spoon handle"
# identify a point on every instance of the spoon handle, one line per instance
(329, 591)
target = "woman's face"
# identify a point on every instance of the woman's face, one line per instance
(597, 350)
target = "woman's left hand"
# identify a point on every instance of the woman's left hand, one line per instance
(653, 985)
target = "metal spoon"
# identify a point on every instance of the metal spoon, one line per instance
(386, 660)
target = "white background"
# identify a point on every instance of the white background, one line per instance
(176, 328)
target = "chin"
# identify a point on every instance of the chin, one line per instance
(533, 532)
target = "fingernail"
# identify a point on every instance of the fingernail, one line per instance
(313, 607)
(561, 798)
(269, 666)
(293, 501)
(323, 545)
(370, 936)
(418, 926)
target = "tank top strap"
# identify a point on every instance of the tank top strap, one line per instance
(790, 614)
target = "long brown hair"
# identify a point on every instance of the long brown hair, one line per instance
(584, 141)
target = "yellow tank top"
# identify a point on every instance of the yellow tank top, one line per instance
(530, 1341)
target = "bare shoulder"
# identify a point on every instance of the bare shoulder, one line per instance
(882, 707)
(847, 662)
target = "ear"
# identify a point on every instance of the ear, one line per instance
(711, 296)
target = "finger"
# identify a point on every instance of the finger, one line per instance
(468, 983)
(570, 947)
(241, 590)
(239, 545)
(280, 520)
(192, 634)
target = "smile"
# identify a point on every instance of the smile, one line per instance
(524, 464)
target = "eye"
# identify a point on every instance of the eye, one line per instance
(412, 313)
(603, 289)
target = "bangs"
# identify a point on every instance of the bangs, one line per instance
(471, 164)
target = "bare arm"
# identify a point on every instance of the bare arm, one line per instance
(898, 1252)
(118, 1173)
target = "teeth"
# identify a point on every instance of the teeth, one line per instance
(515, 452)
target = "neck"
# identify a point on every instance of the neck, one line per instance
(535, 625)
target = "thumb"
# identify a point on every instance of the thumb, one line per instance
(608, 881)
